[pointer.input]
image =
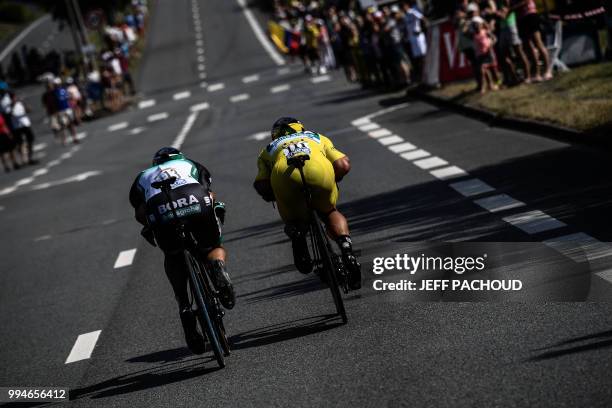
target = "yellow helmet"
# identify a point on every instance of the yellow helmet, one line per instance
(286, 126)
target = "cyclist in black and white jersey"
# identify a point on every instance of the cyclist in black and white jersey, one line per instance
(195, 204)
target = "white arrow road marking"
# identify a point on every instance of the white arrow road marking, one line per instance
(180, 138)
(125, 258)
(199, 107)
(83, 346)
(76, 178)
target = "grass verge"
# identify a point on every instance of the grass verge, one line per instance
(580, 99)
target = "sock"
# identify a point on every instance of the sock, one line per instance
(345, 244)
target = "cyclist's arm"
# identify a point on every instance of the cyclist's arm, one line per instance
(339, 160)
(262, 183)
(137, 201)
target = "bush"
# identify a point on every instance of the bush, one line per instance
(15, 13)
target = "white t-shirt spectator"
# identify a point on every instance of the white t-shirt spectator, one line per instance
(20, 116)
(418, 42)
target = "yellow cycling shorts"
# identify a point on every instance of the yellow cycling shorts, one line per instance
(288, 190)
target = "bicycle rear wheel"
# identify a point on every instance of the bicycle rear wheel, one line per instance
(204, 308)
(325, 252)
(217, 312)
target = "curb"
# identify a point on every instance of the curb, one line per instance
(599, 137)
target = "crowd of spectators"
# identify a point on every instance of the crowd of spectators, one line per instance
(386, 45)
(75, 88)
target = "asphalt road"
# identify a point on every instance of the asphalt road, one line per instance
(517, 197)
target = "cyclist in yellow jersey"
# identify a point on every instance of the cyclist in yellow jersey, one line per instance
(277, 181)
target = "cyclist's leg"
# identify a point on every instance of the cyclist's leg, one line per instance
(294, 213)
(324, 200)
(207, 230)
(176, 271)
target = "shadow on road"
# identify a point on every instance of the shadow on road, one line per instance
(571, 346)
(284, 290)
(285, 331)
(146, 379)
(164, 356)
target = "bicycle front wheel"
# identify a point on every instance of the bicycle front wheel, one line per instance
(204, 310)
(325, 252)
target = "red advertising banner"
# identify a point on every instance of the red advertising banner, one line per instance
(453, 64)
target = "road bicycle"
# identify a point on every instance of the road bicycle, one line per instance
(328, 265)
(209, 312)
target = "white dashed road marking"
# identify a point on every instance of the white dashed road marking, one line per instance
(499, 202)
(430, 163)
(402, 147)
(283, 71)
(448, 172)
(390, 140)
(146, 104)
(250, 78)
(216, 87)
(136, 130)
(280, 88)
(414, 155)
(125, 258)
(117, 126)
(157, 116)
(581, 247)
(319, 79)
(259, 136)
(472, 187)
(239, 97)
(83, 346)
(369, 127)
(39, 146)
(380, 133)
(534, 222)
(181, 95)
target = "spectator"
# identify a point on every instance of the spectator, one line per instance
(65, 114)
(483, 45)
(74, 99)
(22, 130)
(529, 29)
(509, 43)
(414, 26)
(311, 38)
(51, 108)
(7, 147)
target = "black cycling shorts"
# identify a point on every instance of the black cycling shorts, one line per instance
(194, 208)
